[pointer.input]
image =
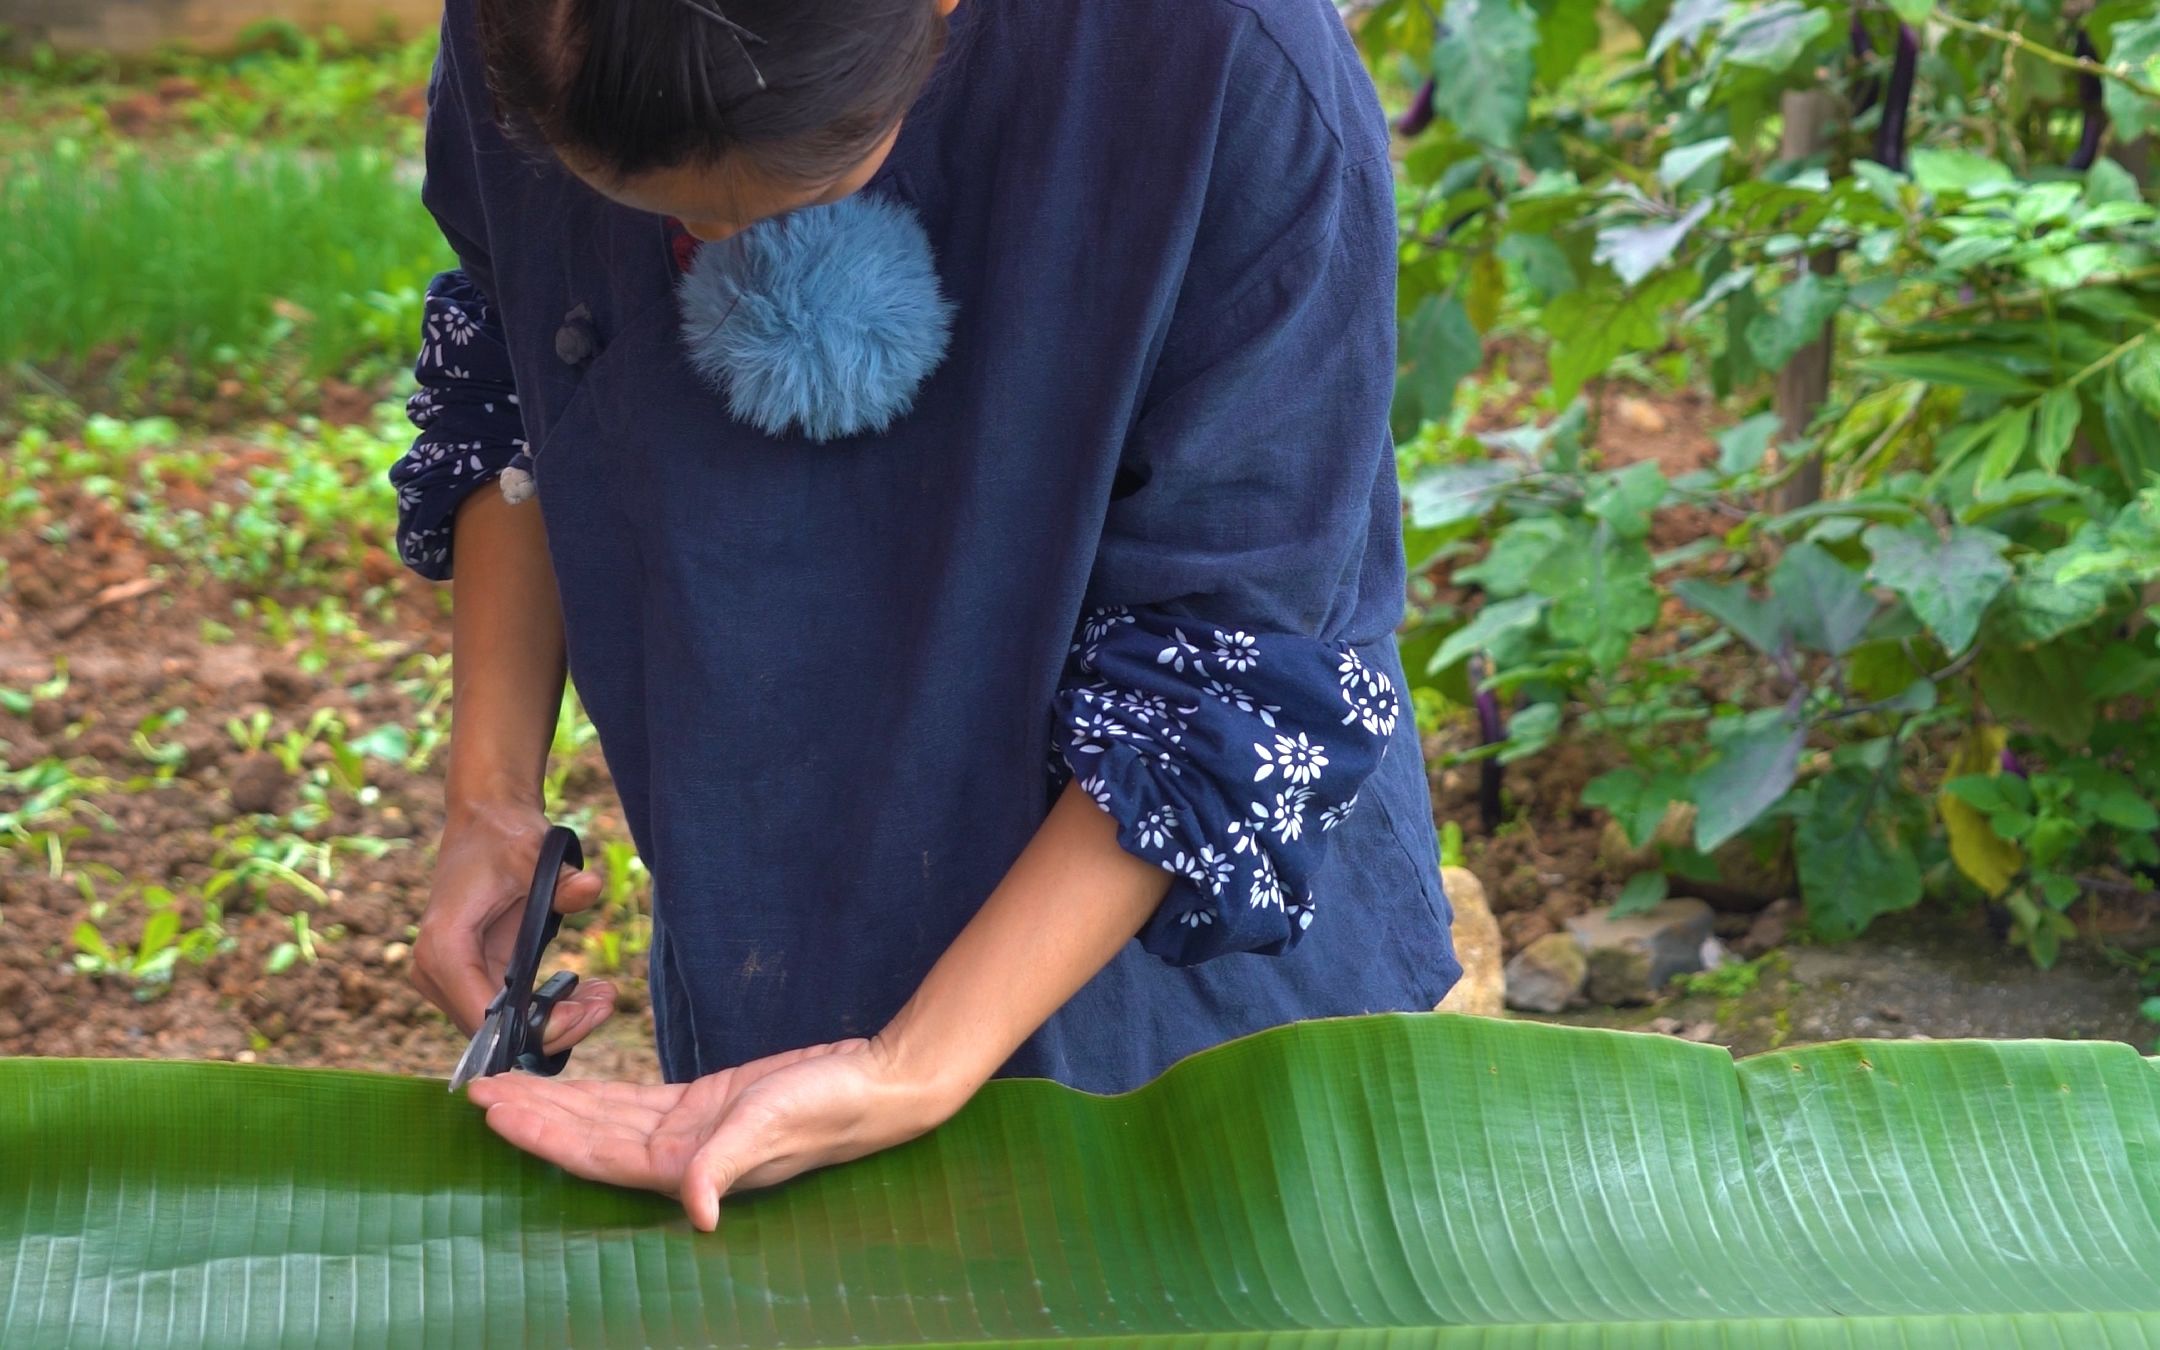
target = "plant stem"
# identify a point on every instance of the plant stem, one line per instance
(2031, 48)
(2041, 296)
(2116, 353)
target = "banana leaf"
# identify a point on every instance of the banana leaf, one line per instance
(1421, 1181)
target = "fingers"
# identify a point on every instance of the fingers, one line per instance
(607, 1148)
(579, 1015)
(585, 1098)
(712, 1173)
(449, 970)
(575, 890)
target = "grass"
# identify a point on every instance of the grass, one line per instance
(213, 256)
(282, 86)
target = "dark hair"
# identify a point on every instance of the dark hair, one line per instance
(802, 89)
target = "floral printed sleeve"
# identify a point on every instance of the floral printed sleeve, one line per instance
(1226, 759)
(1230, 694)
(466, 410)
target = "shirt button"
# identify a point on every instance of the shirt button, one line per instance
(575, 341)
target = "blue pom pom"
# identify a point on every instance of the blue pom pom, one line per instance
(828, 319)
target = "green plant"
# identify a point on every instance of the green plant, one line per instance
(270, 257)
(622, 926)
(1946, 545)
(1429, 1181)
(166, 756)
(1734, 979)
(21, 701)
(301, 947)
(38, 805)
(164, 941)
(252, 735)
(574, 732)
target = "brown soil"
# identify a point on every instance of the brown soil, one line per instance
(133, 641)
(1543, 864)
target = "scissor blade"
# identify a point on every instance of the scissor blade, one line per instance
(474, 1061)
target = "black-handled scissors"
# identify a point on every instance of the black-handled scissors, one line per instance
(510, 1036)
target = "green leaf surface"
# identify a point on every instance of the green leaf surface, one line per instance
(1498, 620)
(1439, 348)
(1683, 162)
(1624, 500)
(1644, 892)
(1948, 582)
(1635, 799)
(1601, 591)
(1567, 31)
(2044, 687)
(1742, 447)
(1530, 731)
(1592, 327)
(1798, 318)
(1753, 774)
(2140, 372)
(1421, 1180)
(2054, 594)
(1851, 870)
(1956, 369)
(1635, 251)
(2055, 426)
(1958, 171)
(1482, 69)
(1771, 37)
(1449, 493)
(1760, 623)
(2006, 446)
(2136, 51)
(1826, 603)
(1684, 23)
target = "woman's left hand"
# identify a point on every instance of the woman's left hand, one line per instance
(753, 1126)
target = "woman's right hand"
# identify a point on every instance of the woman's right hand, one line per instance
(483, 872)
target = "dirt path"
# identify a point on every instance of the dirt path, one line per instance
(1912, 976)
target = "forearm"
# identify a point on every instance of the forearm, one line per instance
(507, 654)
(1070, 903)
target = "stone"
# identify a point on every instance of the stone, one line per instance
(364, 914)
(1525, 926)
(258, 784)
(1631, 958)
(1547, 975)
(1750, 872)
(287, 686)
(1477, 946)
(1641, 415)
(395, 954)
(1771, 929)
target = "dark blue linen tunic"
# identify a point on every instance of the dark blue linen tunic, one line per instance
(1141, 525)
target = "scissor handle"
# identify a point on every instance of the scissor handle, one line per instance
(526, 1011)
(532, 1060)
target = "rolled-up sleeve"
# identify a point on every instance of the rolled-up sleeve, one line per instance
(466, 413)
(1217, 702)
(470, 429)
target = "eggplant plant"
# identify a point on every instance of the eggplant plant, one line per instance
(1613, 196)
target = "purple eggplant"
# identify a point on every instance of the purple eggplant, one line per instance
(1492, 730)
(1863, 47)
(2093, 103)
(1897, 101)
(1420, 114)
